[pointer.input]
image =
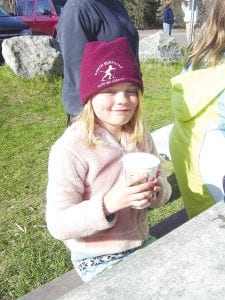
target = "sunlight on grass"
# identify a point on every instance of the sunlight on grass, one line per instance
(31, 119)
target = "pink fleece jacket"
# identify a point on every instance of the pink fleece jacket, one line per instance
(79, 177)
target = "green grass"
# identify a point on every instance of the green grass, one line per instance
(31, 119)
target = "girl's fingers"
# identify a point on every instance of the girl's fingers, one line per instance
(153, 197)
(140, 203)
(141, 196)
(156, 188)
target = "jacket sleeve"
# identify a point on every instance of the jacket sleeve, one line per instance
(68, 215)
(166, 190)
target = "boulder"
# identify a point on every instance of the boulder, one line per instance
(29, 56)
(160, 46)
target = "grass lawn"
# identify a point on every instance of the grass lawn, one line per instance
(31, 119)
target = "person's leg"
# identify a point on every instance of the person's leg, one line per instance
(224, 185)
(170, 28)
(187, 30)
(91, 267)
(166, 28)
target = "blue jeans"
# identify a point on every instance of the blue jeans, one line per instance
(167, 28)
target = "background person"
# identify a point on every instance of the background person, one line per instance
(89, 203)
(197, 140)
(186, 8)
(224, 186)
(168, 17)
(84, 21)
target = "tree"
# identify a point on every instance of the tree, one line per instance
(8, 4)
(179, 15)
(151, 13)
(144, 13)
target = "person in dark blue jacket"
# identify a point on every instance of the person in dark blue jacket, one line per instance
(168, 17)
(82, 22)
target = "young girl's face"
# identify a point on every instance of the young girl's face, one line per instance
(115, 106)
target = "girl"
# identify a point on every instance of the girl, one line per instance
(89, 204)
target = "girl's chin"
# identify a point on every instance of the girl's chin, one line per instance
(116, 122)
(121, 120)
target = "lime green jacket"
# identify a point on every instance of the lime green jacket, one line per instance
(197, 140)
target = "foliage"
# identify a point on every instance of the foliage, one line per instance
(149, 13)
(143, 12)
(146, 13)
(8, 4)
(176, 6)
(31, 119)
(202, 12)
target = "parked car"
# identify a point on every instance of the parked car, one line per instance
(10, 27)
(41, 15)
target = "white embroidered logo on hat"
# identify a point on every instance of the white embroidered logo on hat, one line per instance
(110, 72)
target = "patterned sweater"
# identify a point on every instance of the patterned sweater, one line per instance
(79, 177)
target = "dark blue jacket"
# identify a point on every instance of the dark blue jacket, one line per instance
(168, 16)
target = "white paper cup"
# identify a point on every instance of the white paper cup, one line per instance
(140, 163)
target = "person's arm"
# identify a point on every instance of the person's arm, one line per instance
(165, 15)
(172, 17)
(68, 215)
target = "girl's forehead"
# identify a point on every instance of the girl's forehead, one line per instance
(119, 86)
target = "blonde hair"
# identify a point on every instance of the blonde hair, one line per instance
(135, 126)
(208, 46)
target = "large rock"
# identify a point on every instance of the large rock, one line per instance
(29, 56)
(160, 46)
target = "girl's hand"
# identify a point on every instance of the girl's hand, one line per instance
(156, 188)
(134, 191)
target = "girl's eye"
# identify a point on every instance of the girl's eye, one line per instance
(132, 92)
(108, 92)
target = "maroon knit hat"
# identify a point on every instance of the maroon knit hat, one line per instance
(105, 64)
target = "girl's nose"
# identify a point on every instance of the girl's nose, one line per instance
(121, 97)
